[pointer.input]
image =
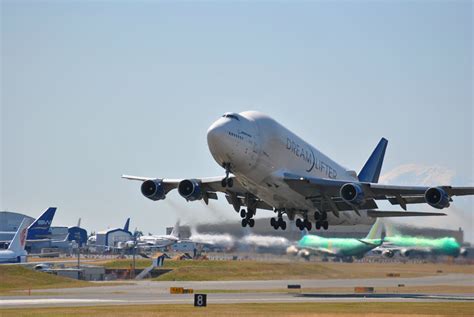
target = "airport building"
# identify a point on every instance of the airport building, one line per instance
(10, 221)
(112, 237)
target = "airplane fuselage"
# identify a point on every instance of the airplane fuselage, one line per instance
(260, 150)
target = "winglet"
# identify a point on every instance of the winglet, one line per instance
(371, 170)
(127, 224)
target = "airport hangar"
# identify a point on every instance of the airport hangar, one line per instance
(10, 221)
(112, 237)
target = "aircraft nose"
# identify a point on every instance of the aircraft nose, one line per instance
(215, 134)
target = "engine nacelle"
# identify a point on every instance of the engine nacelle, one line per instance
(292, 250)
(352, 194)
(388, 253)
(463, 252)
(153, 189)
(436, 197)
(304, 254)
(190, 189)
(405, 252)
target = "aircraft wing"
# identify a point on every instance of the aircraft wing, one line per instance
(325, 193)
(236, 195)
(389, 213)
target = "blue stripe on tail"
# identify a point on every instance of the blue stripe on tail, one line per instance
(371, 171)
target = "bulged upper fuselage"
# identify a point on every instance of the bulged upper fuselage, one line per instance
(260, 150)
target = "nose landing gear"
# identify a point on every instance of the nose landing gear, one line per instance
(226, 181)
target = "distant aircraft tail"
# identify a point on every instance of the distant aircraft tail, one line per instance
(376, 232)
(390, 230)
(127, 225)
(175, 231)
(40, 227)
(19, 240)
(371, 171)
(79, 223)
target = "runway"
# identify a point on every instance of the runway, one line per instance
(148, 292)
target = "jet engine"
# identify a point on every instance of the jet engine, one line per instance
(352, 194)
(292, 250)
(463, 252)
(190, 189)
(405, 252)
(388, 253)
(436, 197)
(153, 189)
(304, 254)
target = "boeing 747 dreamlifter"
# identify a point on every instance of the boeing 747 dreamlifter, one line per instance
(269, 167)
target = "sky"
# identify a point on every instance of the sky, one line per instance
(91, 90)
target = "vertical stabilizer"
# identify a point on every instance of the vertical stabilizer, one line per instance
(19, 240)
(40, 227)
(371, 171)
(127, 224)
(175, 231)
(79, 223)
(391, 230)
(376, 230)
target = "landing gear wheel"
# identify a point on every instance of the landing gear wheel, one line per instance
(324, 215)
(317, 216)
(230, 182)
(299, 223)
(273, 222)
(325, 225)
(224, 182)
(318, 225)
(251, 222)
(244, 222)
(243, 213)
(282, 224)
(309, 225)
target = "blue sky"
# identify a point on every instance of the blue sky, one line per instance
(94, 89)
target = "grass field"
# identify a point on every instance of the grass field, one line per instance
(254, 270)
(15, 277)
(274, 310)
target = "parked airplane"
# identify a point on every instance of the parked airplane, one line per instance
(340, 248)
(274, 169)
(16, 250)
(160, 241)
(417, 246)
(39, 229)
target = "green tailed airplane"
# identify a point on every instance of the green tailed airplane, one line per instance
(395, 242)
(340, 248)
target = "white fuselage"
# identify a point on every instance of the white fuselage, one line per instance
(260, 151)
(9, 256)
(158, 241)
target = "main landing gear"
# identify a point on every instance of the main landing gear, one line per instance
(321, 220)
(247, 218)
(304, 224)
(279, 222)
(226, 181)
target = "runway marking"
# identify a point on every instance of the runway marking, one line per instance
(8, 302)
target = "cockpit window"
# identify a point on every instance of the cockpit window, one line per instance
(232, 116)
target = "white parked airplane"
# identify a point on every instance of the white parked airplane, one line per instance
(16, 250)
(274, 169)
(160, 241)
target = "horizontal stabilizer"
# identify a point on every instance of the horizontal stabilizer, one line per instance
(381, 213)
